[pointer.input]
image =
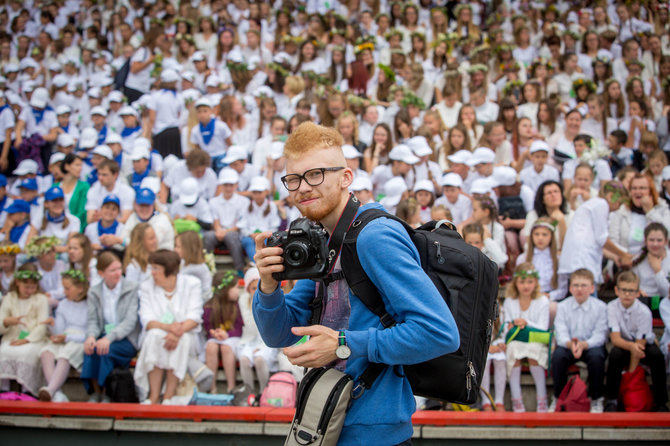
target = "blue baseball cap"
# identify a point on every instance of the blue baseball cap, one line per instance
(54, 193)
(3, 180)
(18, 206)
(28, 183)
(145, 196)
(112, 199)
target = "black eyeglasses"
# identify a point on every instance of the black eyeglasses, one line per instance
(313, 177)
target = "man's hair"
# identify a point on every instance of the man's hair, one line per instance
(112, 165)
(628, 277)
(197, 158)
(582, 273)
(308, 136)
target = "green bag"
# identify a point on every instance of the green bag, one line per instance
(181, 225)
(529, 334)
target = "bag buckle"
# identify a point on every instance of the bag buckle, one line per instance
(358, 391)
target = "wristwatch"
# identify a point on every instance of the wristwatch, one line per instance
(343, 351)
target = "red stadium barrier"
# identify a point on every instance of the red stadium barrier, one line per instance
(261, 414)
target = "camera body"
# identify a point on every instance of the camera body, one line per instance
(305, 248)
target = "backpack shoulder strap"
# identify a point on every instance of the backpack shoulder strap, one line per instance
(357, 280)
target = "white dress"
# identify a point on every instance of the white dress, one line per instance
(536, 316)
(22, 362)
(185, 304)
(251, 345)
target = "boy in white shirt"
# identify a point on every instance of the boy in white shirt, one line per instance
(210, 134)
(108, 175)
(453, 198)
(190, 207)
(631, 333)
(540, 171)
(227, 208)
(581, 333)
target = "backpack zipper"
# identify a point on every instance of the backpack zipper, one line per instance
(304, 391)
(470, 373)
(440, 259)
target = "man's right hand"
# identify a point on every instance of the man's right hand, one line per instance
(268, 261)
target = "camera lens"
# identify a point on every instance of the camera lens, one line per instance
(296, 253)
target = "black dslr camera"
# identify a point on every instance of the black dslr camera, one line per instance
(305, 248)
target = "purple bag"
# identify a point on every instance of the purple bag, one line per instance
(31, 148)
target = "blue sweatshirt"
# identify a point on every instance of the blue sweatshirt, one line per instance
(425, 330)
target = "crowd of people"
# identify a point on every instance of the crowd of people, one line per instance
(139, 137)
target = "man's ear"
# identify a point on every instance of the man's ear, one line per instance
(347, 178)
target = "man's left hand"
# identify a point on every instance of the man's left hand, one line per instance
(318, 351)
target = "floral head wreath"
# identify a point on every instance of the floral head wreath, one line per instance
(603, 58)
(460, 7)
(41, 245)
(274, 66)
(572, 34)
(526, 274)
(74, 274)
(237, 66)
(478, 67)
(226, 280)
(510, 86)
(618, 191)
(503, 47)
(364, 43)
(510, 66)
(634, 62)
(392, 32)
(588, 83)
(27, 275)
(544, 224)
(542, 61)
(355, 101)
(12, 249)
(412, 99)
(388, 72)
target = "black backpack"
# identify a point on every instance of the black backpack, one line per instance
(511, 207)
(468, 282)
(120, 386)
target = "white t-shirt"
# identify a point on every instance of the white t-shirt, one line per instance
(228, 212)
(217, 145)
(206, 184)
(199, 210)
(54, 229)
(167, 105)
(531, 178)
(97, 193)
(48, 122)
(460, 211)
(7, 121)
(140, 81)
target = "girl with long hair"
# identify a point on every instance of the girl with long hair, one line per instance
(222, 324)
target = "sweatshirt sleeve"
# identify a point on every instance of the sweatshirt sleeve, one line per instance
(392, 263)
(276, 313)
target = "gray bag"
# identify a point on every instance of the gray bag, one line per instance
(324, 396)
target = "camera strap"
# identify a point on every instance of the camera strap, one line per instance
(334, 248)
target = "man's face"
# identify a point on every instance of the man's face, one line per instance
(317, 202)
(144, 211)
(106, 178)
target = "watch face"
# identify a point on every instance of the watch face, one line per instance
(343, 352)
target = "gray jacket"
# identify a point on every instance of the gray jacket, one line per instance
(126, 310)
